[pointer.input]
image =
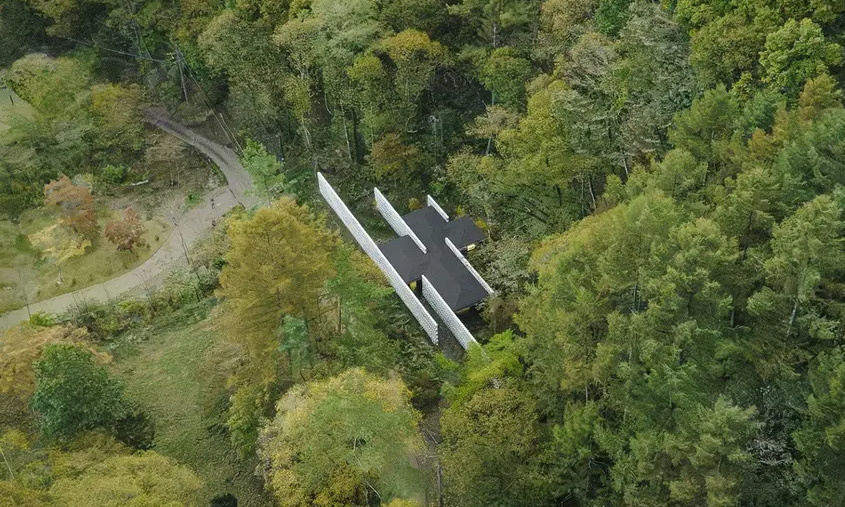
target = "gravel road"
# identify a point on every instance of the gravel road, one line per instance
(190, 226)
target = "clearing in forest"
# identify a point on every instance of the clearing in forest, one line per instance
(177, 371)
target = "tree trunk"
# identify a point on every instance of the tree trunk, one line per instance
(346, 133)
(792, 318)
(357, 150)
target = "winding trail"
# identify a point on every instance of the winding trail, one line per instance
(190, 226)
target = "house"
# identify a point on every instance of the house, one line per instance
(429, 255)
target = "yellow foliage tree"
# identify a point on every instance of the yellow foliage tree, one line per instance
(91, 470)
(403, 502)
(117, 111)
(140, 480)
(346, 440)
(392, 159)
(15, 494)
(277, 266)
(416, 57)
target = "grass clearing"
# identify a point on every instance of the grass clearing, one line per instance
(26, 273)
(11, 106)
(177, 372)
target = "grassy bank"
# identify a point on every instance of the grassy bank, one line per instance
(177, 371)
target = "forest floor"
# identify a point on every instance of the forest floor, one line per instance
(177, 371)
(192, 222)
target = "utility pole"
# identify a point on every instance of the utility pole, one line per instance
(25, 295)
(180, 59)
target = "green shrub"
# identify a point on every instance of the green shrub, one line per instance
(74, 393)
(114, 174)
(106, 320)
(42, 319)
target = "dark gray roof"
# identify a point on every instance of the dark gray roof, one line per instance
(405, 257)
(440, 265)
(463, 232)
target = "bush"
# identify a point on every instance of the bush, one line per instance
(105, 320)
(74, 393)
(41, 319)
(183, 287)
(113, 174)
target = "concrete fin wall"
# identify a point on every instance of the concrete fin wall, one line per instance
(370, 248)
(395, 219)
(446, 314)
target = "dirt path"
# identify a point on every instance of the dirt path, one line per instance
(237, 179)
(192, 225)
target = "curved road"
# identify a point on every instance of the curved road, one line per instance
(192, 225)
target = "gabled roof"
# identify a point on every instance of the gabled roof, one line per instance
(405, 257)
(447, 274)
(463, 232)
(454, 282)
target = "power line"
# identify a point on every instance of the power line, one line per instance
(220, 120)
(181, 62)
(111, 50)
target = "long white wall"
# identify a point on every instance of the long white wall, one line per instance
(369, 246)
(436, 301)
(429, 200)
(395, 219)
(469, 267)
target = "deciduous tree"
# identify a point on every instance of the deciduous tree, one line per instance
(345, 440)
(796, 52)
(22, 345)
(74, 393)
(505, 74)
(144, 479)
(117, 113)
(126, 233)
(491, 451)
(265, 167)
(277, 266)
(792, 305)
(821, 439)
(75, 205)
(394, 160)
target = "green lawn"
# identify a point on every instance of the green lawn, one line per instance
(177, 371)
(24, 268)
(11, 108)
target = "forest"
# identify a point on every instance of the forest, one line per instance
(661, 184)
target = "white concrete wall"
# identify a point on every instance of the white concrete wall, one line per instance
(369, 246)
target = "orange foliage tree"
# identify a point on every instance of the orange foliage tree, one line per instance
(127, 232)
(76, 205)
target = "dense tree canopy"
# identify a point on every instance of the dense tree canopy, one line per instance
(341, 441)
(276, 267)
(662, 189)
